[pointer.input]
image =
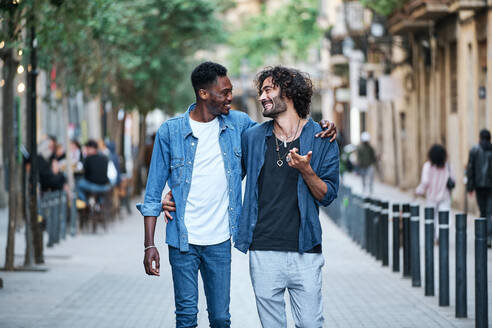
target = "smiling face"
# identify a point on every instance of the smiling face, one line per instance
(271, 99)
(218, 97)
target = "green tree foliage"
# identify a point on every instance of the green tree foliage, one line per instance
(136, 53)
(287, 32)
(383, 7)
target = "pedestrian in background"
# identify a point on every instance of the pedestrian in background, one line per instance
(366, 159)
(436, 183)
(51, 178)
(95, 178)
(479, 178)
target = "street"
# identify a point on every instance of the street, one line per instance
(98, 281)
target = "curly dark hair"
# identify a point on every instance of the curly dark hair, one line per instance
(437, 155)
(205, 74)
(293, 84)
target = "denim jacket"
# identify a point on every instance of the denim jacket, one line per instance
(172, 162)
(324, 162)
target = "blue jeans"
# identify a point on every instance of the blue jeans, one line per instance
(84, 186)
(214, 264)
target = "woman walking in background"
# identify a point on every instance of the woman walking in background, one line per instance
(436, 183)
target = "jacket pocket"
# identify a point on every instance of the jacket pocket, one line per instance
(176, 172)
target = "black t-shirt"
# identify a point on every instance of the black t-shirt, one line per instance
(96, 169)
(277, 228)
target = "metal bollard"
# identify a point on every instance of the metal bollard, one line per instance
(406, 240)
(372, 237)
(50, 218)
(367, 214)
(443, 258)
(371, 225)
(377, 231)
(73, 215)
(361, 216)
(415, 245)
(384, 232)
(396, 237)
(375, 221)
(63, 215)
(461, 306)
(56, 216)
(429, 251)
(481, 296)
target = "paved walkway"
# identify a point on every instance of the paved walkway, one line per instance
(99, 281)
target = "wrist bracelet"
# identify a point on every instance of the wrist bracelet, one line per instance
(149, 247)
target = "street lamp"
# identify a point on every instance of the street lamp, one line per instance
(20, 69)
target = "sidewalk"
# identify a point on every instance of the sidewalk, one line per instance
(393, 194)
(99, 281)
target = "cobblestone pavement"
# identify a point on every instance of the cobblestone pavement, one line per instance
(98, 281)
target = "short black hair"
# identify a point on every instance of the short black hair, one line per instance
(485, 134)
(53, 138)
(437, 155)
(206, 74)
(91, 143)
(293, 84)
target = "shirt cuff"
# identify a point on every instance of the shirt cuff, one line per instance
(327, 198)
(150, 209)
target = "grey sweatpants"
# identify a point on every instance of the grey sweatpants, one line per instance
(273, 272)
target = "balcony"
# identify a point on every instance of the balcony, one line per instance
(456, 5)
(427, 9)
(401, 22)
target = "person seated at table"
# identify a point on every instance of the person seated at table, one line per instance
(95, 179)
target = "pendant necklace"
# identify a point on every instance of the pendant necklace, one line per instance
(280, 162)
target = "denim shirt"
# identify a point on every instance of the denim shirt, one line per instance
(324, 162)
(172, 162)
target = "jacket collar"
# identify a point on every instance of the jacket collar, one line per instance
(224, 122)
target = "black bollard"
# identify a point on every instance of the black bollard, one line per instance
(396, 237)
(443, 258)
(372, 217)
(377, 231)
(406, 240)
(415, 245)
(358, 220)
(367, 214)
(384, 232)
(461, 307)
(481, 300)
(429, 251)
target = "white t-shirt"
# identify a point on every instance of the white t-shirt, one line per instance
(206, 217)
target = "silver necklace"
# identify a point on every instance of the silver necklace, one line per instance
(280, 162)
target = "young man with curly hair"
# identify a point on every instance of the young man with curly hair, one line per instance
(289, 174)
(198, 154)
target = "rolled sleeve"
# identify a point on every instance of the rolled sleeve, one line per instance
(150, 209)
(158, 174)
(329, 173)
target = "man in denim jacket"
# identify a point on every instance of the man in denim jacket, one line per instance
(289, 174)
(199, 155)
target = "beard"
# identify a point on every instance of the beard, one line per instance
(279, 106)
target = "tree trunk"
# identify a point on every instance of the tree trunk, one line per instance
(10, 153)
(139, 160)
(115, 128)
(69, 169)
